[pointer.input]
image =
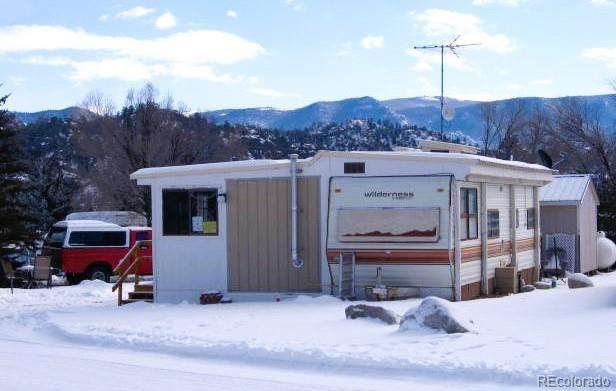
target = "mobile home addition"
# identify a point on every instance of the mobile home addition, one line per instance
(431, 223)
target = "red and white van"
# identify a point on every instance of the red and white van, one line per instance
(92, 249)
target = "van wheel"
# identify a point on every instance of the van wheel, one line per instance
(98, 273)
(74, 278)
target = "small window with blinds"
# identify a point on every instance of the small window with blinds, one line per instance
(493, 224)
(530, 218)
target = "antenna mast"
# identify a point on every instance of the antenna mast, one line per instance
(452, 46)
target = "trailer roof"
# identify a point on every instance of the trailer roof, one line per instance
(565, 189)
(266, 164)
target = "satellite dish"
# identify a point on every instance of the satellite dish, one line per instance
(448, 112)
(546, 160)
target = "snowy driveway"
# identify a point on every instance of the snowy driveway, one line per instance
(76, 336)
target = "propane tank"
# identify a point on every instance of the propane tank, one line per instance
(606, 251)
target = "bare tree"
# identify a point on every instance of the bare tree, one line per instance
(147, 132)
(98, 103)
(503, 123)
(581, 134)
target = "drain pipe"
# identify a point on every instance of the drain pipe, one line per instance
(297, 261)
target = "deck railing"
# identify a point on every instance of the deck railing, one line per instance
(130, 265)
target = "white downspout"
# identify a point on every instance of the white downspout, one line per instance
(295, 259)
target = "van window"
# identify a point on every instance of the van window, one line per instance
(190, 212)
(55, 237)
(97, 239)
(141, 235)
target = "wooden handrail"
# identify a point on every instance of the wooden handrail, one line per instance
(135, 259)
(136, 247)
(128, 271)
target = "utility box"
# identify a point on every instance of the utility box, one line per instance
(506, 280)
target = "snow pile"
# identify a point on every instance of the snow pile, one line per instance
(521, 336)
(438, 314)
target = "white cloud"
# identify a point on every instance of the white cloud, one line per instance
(232, 14)
(103, 17)
(510, 3)
(603, 2)
(606, 55)
(133, 70)
(542, 82)
(446, 24)
(344, 49)
(165, 21)
(128, 58)
(135, 13)
(272, 93)
(426, 60)
(426, 86)
(295, 4)
(195, 46)
(372, 41)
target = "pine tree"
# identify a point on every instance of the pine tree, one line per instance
(15, 217)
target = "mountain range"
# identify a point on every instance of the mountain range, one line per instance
(420, 111)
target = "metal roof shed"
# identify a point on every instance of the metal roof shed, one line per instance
(569, 205)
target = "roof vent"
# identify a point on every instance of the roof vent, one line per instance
(443, 147)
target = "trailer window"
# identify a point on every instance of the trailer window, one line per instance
(530, 218)
(97, 239)
(468, 214)
(493, 224)
(190, 212)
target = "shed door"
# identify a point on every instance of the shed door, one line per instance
(259, 235)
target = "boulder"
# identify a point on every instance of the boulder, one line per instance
(438, 314)
(542, 285)
(527, 288)
(579, 280)
(371, 311)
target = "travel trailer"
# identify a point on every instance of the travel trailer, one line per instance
(419, 223)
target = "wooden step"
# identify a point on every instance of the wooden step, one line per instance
(140, 296)
(144, 288)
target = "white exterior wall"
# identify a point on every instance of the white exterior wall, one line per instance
(523, 201)
(498, 198)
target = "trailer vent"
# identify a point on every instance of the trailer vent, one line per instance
(354, 168)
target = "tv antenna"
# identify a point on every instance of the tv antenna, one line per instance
(452, 46)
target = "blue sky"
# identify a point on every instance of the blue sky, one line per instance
(288, 53)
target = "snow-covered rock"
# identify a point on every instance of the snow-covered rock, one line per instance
(579, 280)
(439, 314)
(371, 311)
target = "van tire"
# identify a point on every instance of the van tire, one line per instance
(74, 278)
(98, 272)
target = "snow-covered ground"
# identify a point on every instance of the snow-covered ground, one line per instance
(77, 338)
